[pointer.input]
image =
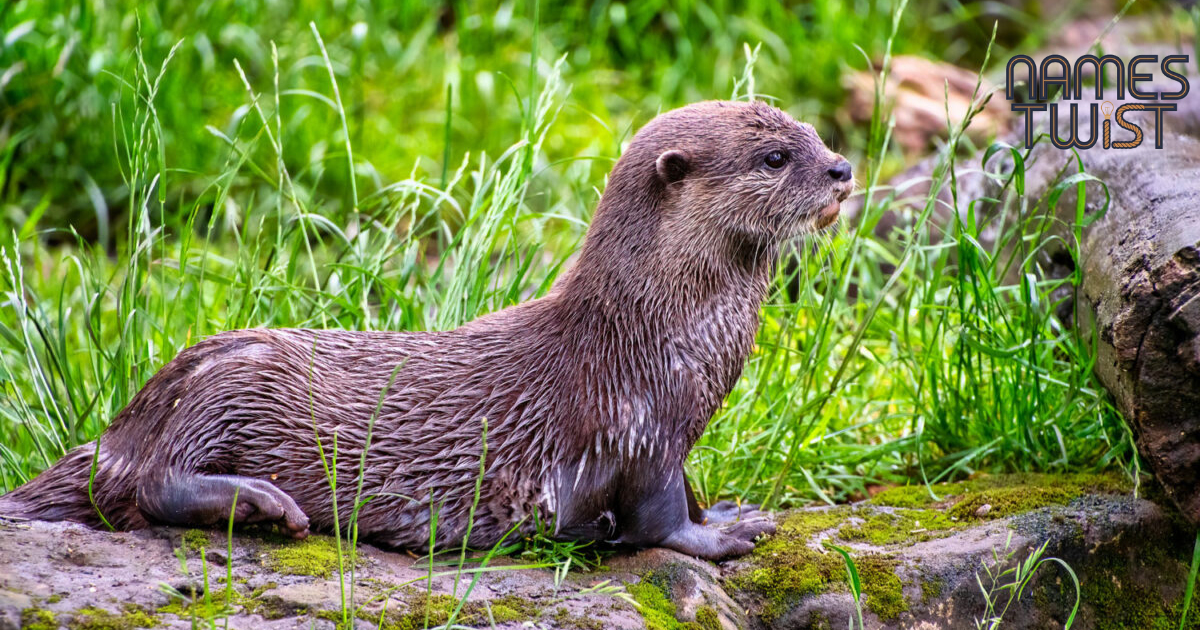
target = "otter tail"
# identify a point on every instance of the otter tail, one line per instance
(60, 493)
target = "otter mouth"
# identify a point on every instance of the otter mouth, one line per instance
(827, 215)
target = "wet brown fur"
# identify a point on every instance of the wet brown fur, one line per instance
(593, 395)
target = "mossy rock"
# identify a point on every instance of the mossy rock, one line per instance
(708, 618)
(422, 610)
(193, 540)
(882, 588)
(899, 525)
(217, 602)
(130, 617)
(1128, 581)
(1005, 495)
(38, 619)
(562, 618)
(315, 556)
(917, 557)
(703, 602)
(791, 565)
(657, 609)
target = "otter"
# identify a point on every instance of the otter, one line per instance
(583, 404)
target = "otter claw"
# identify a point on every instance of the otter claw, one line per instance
(750, 530)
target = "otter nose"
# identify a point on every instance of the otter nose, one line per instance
(840, 171)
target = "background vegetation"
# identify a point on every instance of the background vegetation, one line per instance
(171, 169)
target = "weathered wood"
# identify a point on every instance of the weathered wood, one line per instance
(1141, 292)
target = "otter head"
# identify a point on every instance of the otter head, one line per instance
(747, 168)
(707, 185)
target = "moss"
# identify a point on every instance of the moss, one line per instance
(787, 566)
(315, 556)
(1001, 502)
(335, 616)
(258, 592)
(216, 603)
(786, 570)
(1006, 494)
(437, 609)
(130, 617)
(272, 610)
(54, 598)
(931, 589)
(707, 618)
(1123, 590)
(807, 523)
(410, 616)
(38, 619)
(421, 611)
(883, 589)
(564, 619)
(510, 608)
(193, 540)
(880, 527)
(221, 601)
(268, 607)
(913, 496)
(1124, 585)
(657, 609)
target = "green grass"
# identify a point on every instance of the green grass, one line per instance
(178, 170)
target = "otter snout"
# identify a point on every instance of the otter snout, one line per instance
(841, 171)
(842, 174)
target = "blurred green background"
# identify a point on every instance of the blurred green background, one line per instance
(67, 64)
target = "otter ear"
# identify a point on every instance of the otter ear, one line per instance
(672, 166)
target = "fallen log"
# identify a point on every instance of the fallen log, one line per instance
(1141, 293)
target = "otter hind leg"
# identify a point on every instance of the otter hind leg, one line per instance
(194, 499)
(665, 517)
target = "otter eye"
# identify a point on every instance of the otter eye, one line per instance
(776, 159)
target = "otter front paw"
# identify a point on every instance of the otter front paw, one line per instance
(750, 529)
(712, 543)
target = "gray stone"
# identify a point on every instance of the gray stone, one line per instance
(1128, 553)
(11, 605)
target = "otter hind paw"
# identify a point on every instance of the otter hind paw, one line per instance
(268, 504)
(196, 499)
